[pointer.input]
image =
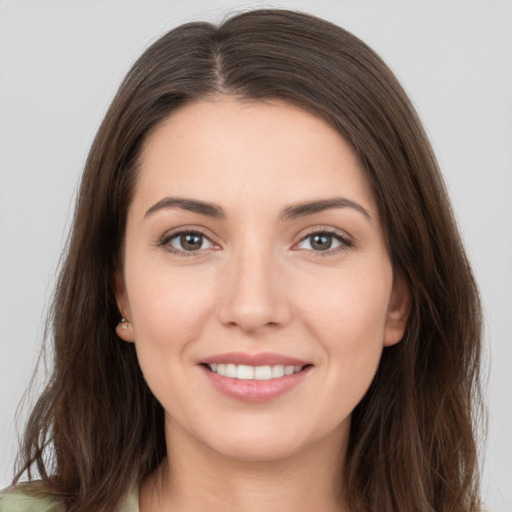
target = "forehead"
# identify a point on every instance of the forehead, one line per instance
(224, 149)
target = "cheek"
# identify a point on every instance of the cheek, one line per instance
(348, 317)
(352, 303)
(169, 312)
(168, 309)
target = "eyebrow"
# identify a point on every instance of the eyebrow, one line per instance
(290, 212)
(191, 205)
(295, 211)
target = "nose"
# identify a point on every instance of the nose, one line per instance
(254, 297)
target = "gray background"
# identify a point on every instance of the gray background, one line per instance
(62, 60)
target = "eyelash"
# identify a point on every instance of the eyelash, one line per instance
(165, 242)
(345, 242)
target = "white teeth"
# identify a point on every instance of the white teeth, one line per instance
(277, 371)
(231, 370)
(245, 372)
(262, 372)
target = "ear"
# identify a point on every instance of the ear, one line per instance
(398, 312)
(124, 328)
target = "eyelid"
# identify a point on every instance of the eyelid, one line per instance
(346, 241)
(182, 230)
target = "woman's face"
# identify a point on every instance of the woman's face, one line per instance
(256, 278)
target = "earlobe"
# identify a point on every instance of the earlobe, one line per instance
(124, 328)
(398, 312)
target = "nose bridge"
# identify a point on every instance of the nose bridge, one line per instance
(254, 295)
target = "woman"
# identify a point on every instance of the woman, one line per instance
(265, 301)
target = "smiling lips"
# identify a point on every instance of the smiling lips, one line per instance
(254, 378)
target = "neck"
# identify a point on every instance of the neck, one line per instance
(194, 477)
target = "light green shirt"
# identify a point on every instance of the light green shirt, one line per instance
(21, 500)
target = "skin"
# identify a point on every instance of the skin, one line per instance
(256, 284)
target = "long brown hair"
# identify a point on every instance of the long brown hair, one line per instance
(97, 428)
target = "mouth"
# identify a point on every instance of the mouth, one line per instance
(247, 372)
(254, 378)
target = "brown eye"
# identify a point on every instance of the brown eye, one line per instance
(189, 241)
(325, 242)
(321, 242)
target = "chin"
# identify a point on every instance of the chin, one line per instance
(261, 450)
(271, 442)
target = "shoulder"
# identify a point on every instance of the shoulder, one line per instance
(31, 498)
(27, 498)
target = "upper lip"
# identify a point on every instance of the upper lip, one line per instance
(261, 359)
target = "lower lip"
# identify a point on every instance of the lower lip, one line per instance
(255, 391)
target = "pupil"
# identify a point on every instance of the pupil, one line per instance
(191, 242)
(321, 242)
